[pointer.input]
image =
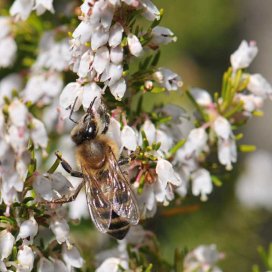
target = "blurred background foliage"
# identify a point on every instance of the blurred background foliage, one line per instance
(208, 32)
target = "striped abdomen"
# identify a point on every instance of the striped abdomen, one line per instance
(119, 226)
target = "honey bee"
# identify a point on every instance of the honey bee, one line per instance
(111, 201)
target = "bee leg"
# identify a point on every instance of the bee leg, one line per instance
(107, 123)
(67, 167)
(68, 198)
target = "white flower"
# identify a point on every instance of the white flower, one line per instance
(61, 230)
(201, 183)
(59, 266)
(244, 55)
(168, 79)
(162, 35)
(44, 265)
(25, 259)
(112, 264)
(250, 102)
(8, 84)
(202, 97)
(99, 38)
(83, 32)
(21, 9)
(222, 128)
(7, 241)
(85, 65)
(101, 59)
(203, 259)
(151, 12)
(166, 173)
(253, 188)
(118, 89)
(134, 45)
(5, 26)
(196, 142)
(43, 5)
(259, 86)
(38, 134)
(129, 138)
(114, 132)
(116, 54)
(227, 152)
(72, 257)
(116, 34)
(28, 228)
(18, 113)
(78, 208)
(8, 49)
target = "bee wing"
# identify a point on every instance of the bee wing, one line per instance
(122, 198)
(99, 206)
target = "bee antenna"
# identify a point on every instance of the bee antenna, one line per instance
(72, 110)
(90, 109)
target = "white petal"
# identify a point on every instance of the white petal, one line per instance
(259, 86)
(111, 264)
(134, 45)
(129, 138)
(201, 183)
(116, 34)
(114, 131)
(91, 91)
(83, 32)
(227, 152)
(101, 59)
(222, 127)
(8, 49)
(166, 173)
(162, 35)
(244, 55)
(99, 38)
(113, 73)
(18, 113)
(150, 131)
(118, 89)
(72, 256)
(38, 133)
(202, 97)
(25, 259)
(151, 12)
(69, 94)
(43, 187)
(44, 265)
(28, 228)
(21, 9)
(59, 266)
(7, 241)
(85, 63)
(5, 26)
(61, 229)
(116, 54)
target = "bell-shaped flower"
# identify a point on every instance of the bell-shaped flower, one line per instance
(227, 152)
(222, 128)
(114, 132)
(202, 97)
(83, 32)
(112, 264)
(85, 65)
(8, 49)
(113, 73)
(8, 84)
(251, 102)
(168, 79)
(44, 265)
(244, 55)
(99, 38)
(61, 230)
(166, 173)
(90, 92)
(163, 194)
(201, 183)
(162, 35)
(28, 228)
(101, 59)
(259, 86)
(116, 55)
(118, 89)
(5, 26)
(129, 138)
(71, 256)
(7, 241)
(38, 134)
(43, 5)
(18, 113)
(150, 11)
(116, 34)
(134, 45)
(21, 9)
(59, 266)
(25, 259)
